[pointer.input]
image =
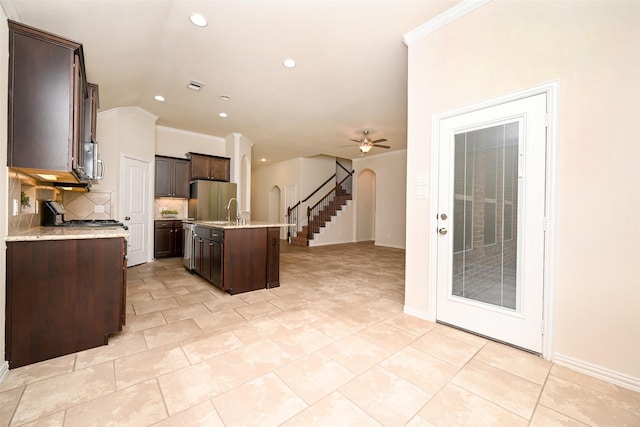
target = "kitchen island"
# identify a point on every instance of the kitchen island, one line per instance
(65, 290)
(237, 257)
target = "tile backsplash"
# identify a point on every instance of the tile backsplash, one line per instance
(179, 205)
(91, 205)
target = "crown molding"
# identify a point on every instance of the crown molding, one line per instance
(117, 110)
(442, 20)
(188, 133)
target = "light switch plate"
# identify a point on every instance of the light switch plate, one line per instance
(16, 207)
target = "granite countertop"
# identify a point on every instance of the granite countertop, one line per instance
(233, 224)
(67, 233)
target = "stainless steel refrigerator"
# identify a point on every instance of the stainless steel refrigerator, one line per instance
(208, 200)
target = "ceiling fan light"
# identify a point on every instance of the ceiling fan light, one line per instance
(365, 148)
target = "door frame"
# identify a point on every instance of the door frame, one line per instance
(551, 89)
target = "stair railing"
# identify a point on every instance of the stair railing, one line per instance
(292, 212)
(318, 214)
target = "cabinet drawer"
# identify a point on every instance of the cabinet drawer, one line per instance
(164, 224)
(215, 234)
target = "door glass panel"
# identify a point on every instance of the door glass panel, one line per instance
(485, 219)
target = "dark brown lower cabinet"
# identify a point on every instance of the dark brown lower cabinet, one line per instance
(167, 239)
(238, 259)
(63, 296)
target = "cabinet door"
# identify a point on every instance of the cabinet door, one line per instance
(178, 242)
(200, 167)
(217, 264)
(207, 250)
(221, 169)
(273, 257)
(181, 178)
(163, 177)
(197, 254)
(163, 242)
(40, 104)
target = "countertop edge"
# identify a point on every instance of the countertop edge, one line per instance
(67, 233)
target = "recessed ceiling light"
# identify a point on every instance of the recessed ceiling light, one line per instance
(159, 98)
(263, 160)
(198, 20)
(289, 63)
(223, 115)
(225, 97)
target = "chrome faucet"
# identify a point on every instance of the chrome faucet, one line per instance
(229, 210)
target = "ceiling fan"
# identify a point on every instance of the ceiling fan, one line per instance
(365, 144)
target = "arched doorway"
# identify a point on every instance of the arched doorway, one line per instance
(275, 210)
(366, 212)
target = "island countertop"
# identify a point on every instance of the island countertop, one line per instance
(67, 233)
(233, 224)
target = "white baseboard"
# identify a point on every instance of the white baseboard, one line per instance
(599, 372)
(417, 313)
(4, 370)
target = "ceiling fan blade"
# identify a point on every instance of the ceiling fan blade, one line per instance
(381, 146)
(355, 140)
(378, 140)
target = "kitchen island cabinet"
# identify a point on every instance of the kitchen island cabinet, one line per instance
(237, 258)
(63, 296)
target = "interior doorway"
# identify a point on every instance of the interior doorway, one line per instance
(366, 212)
(135, 201)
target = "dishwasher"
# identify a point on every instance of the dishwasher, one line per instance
(187, 259)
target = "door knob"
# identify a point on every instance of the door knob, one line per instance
(443, 216)
(442, 231)
(127, 218)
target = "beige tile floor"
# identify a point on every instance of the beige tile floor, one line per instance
(329, 347)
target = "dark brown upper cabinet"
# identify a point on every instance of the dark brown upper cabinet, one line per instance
(172, 177)
(47, 101)
(212, 168)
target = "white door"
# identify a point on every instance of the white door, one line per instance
(135, 208)
(491, 207)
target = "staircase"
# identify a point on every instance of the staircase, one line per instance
(321, 217)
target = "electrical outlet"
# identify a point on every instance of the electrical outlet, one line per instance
(16, 207)
(162, 209)
(99, 209)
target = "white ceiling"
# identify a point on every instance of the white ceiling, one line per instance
(351, 71)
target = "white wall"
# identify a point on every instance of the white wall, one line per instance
(591, 48)
(4, 177)
(176, 143)
(127, 132)
(390, 198)
(263, 179)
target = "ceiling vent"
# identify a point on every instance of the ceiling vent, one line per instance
(194, 85)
